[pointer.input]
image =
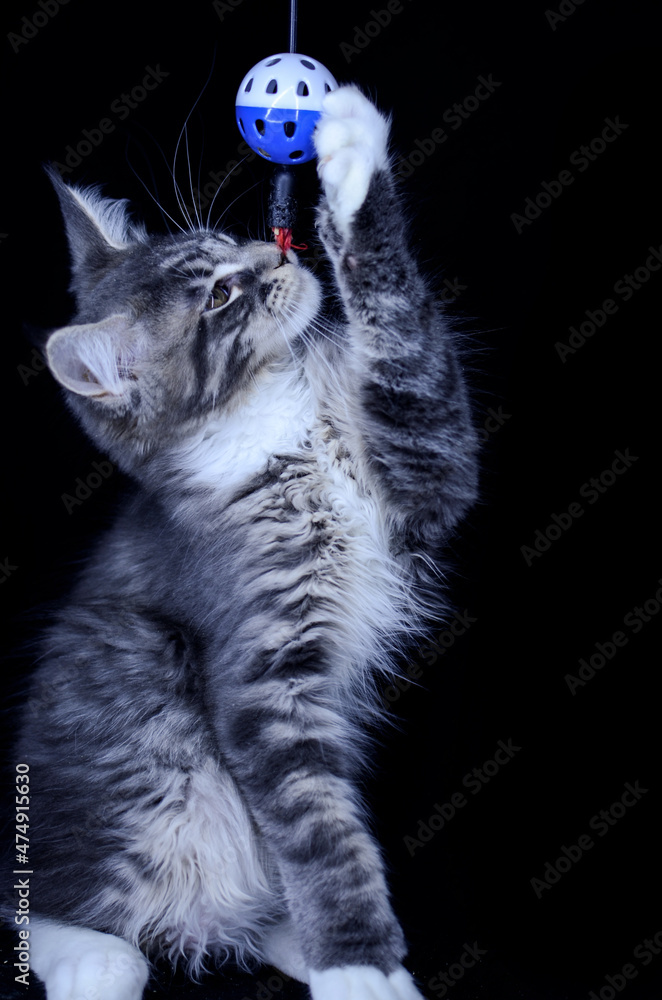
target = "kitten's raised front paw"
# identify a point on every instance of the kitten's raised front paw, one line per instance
(362, 982)
(351, 139)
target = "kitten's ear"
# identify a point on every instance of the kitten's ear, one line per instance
(96, 227)
(97, 359)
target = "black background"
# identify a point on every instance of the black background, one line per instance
(561, 424)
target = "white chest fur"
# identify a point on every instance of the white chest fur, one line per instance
(350, 567)
(231, 449)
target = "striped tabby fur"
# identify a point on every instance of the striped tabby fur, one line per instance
(196, 722)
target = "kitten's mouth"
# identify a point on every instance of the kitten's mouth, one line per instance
(286, 257)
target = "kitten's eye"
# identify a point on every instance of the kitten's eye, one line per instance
(219, 295)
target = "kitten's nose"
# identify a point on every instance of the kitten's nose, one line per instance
(266, 257)
(276, 257)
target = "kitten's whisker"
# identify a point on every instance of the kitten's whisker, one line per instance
(281, 328)
(190, 181)
(178, 194)
(219, 189)
(181, 204)
(156, 201)
(317, 326)
(307, 335)
(227, 209)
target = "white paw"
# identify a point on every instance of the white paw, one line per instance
(362, 982)
(79, 964)
(351, 140)
(281, 948)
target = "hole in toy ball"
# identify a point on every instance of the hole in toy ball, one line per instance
(307, 64)
(259, 125)
(272, 87)
(241, 126)
(263, 152)
(289, 128)
(302, 89)
(248, 85)
(272, 62)
(297, 154)
(327, 88)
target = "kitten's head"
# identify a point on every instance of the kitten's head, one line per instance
(169, 331)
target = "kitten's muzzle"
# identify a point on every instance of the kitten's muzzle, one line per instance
(276, 258)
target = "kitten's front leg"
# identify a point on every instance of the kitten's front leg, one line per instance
(290, 752)
(415, 420)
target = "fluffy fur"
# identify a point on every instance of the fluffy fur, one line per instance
(194, 727)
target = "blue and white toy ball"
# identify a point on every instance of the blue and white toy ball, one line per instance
(278, 104)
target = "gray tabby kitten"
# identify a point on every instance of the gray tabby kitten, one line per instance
(196, 721)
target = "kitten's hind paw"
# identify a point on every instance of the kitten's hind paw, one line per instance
(351, 139)
(362, 982)
(75, 962)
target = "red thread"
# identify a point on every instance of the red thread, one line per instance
(283, 238)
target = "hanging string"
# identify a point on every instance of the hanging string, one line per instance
(293, 25)
(282, 207)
